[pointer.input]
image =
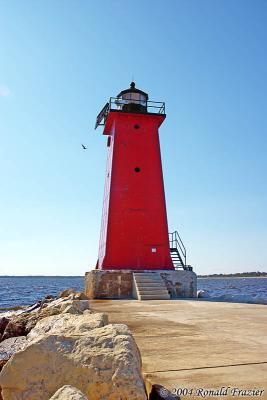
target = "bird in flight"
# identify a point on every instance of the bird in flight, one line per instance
(84, 147)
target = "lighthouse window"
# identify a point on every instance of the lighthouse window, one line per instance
(137, 169)
(133, 97)
(136, 126)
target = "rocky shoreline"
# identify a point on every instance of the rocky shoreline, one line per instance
(60, 349)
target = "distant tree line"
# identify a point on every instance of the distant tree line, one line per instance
(237, 275)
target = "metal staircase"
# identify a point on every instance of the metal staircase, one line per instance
(150, 286)
(178, 252)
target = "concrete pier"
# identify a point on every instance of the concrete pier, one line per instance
(198, 344)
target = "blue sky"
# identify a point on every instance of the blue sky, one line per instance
(59, 63)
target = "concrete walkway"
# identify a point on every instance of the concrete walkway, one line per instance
(197, 344)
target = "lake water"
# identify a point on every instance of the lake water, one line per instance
(240, 290)
(26, 290)
(16, 291)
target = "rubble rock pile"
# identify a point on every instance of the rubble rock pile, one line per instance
(60, 349)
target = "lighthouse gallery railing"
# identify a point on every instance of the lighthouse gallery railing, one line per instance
(116, 104)
(153, 107)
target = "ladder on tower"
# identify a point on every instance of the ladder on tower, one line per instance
(178, 252)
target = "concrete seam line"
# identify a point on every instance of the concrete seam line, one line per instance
(216, 366)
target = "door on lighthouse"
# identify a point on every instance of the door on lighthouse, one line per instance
(136, 219)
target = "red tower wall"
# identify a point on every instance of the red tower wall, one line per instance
(134, 230)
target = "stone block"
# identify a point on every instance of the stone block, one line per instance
(109, 284)
(181, 283)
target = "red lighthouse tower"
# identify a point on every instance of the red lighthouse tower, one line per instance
(137, 256)
(134, 229)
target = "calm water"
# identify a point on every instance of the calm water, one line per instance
(241, 290)
(27, 290)
(16, 291)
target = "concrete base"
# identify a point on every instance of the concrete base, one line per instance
(118, 284)
(109, 284)
(180, 284)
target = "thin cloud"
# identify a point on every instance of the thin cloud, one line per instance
(4, 91)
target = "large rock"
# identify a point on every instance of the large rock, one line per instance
(67, 324)
(66, 292)
(9, 347)
(71, 305)
(71, 309)
(3, 323)
(57, 304)
(61, 304)
(203, 294)
(68, 393)
(70, 293)
(105, 365)
(22, 324)
(159, 392)
(81, 296)
(15, 327)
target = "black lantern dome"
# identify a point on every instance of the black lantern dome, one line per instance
(132, 100)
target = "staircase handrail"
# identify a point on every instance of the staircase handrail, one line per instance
(176, 242)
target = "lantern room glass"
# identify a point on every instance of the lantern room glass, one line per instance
(131, 98)
(134, 97)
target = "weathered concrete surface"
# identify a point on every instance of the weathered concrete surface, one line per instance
(118, 284)
(109, 284)
(180, 283)
(197, 344)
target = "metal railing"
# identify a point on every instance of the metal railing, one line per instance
(135, 106)
(177, 243)
(102, 116)
(153, 107)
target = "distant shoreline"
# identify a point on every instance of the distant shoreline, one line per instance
(229, 277)
(216, 276)
(81, 276)
(41, 276)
